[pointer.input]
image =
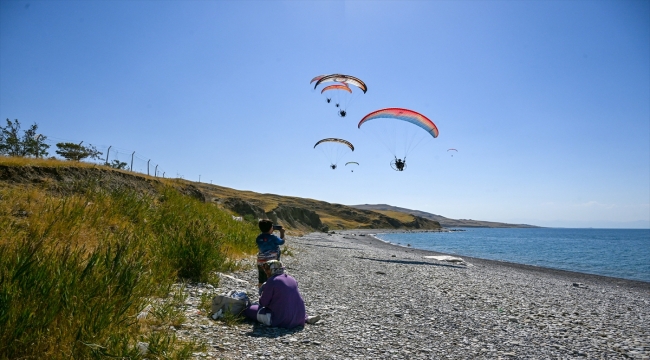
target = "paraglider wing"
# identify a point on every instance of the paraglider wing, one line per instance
(452, 150)
(403, 114)
(352, 162)
(317, 78)
(344, 142)
(344, 87)
(347, 79)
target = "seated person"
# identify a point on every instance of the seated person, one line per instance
(281, 304)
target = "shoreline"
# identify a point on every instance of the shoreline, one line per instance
(378, 300)
(525, 267)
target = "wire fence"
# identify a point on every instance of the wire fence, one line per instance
(113, 155)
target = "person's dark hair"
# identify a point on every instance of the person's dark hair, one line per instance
(265, 225)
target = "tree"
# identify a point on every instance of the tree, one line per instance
(116, 164)
(72, 151)
(31, 143)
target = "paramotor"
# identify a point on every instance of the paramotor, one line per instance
(396, 131)
(334, 149)
(341, 100)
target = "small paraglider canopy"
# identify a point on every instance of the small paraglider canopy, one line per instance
(335, 140)
(351, 163)
(452, 154)
(334, 92)
(334, 149)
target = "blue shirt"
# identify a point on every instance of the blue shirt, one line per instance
(268, 242)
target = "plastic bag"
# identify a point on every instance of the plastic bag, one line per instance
(233, 302)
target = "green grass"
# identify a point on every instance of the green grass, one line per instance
(77, 268)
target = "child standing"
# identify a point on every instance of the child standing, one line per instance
(268, 246)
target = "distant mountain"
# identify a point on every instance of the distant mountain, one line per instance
(445, 222)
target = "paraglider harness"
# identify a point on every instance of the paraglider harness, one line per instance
(398, 164)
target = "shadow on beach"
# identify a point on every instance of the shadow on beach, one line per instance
(260, 330)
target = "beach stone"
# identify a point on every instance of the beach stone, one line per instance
(374, 306)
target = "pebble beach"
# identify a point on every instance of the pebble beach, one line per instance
(381, 301)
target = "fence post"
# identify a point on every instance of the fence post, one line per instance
(148, 167)
(132, 160)
(156, 171)
(108, 152)
(163, 174)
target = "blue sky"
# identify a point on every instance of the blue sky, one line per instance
(547, 102)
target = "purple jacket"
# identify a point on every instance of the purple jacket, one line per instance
(282, 298)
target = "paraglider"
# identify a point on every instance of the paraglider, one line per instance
(335, 90)
(353, 163)
(340, 78)
(396, 131)
(334, 149)
(452, 154)
(342, 100)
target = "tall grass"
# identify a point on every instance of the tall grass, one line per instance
(75, 270)
(193, 240)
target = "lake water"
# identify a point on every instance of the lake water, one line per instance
(621, 253)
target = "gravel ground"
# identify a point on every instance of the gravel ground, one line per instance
(381, 301)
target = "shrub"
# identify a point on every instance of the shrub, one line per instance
(77, 269)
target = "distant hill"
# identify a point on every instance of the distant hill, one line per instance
(445, 222)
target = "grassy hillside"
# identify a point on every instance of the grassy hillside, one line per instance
(83, 255)
(330, 216)
(299, 215)
(402, 216)
(443, 221)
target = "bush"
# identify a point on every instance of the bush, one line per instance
(116, 164)
(77, 269)
(196, 238)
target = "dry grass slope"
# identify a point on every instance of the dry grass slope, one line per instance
(299, 215)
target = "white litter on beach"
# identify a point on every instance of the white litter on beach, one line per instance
(222, 275)
(447, 258)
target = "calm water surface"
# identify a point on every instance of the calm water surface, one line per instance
(621, 253)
